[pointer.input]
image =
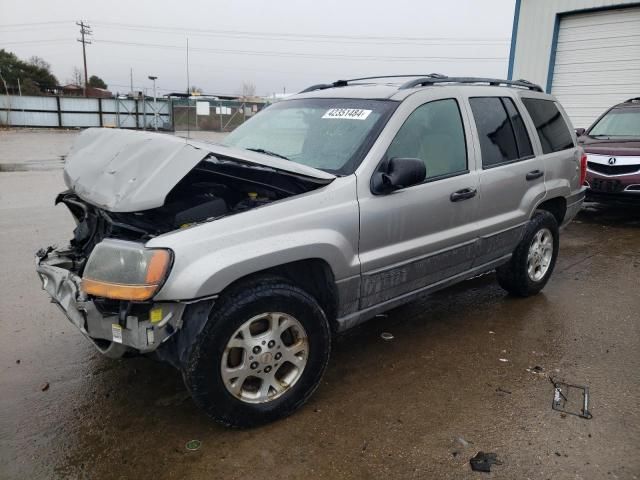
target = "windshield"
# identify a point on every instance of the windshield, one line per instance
(619, 122)
(329, 134)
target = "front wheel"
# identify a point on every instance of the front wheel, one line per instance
(533, 261)
(261, 354)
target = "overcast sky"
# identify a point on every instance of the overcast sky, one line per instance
(272, 44)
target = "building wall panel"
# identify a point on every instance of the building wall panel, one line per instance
(597, 62)
(43, 111)
(31, 119)
(535, 33)
(79, 104)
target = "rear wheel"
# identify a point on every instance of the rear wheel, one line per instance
(261, 354)
(533, 261)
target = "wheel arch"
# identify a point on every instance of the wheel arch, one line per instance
(313, 275)
(556, 206)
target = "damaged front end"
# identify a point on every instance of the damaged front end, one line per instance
(126, 188)
(114, 326)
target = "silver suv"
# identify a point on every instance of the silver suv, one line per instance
(237, 262)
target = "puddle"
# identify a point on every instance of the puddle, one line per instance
(31, 165)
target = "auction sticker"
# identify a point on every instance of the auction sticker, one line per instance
(116, 332)
(348, 113)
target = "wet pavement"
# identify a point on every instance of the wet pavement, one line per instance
(418, 406)
(44, 149)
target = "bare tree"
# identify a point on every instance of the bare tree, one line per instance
(248, 89)
(76, 77)
(40, 63)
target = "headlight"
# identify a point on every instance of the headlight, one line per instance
(125, 270)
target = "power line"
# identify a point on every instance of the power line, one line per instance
(317, 38)
(34, 24)
(275, 35)
(286, 34)
(26, 42)
(391, 58)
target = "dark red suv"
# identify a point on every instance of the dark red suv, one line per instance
(612, 145)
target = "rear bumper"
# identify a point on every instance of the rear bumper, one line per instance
(113, 335)
(574, 204)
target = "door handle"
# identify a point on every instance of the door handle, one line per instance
(534, 174)
(463, 194)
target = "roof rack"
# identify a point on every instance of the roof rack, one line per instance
(344, 83)
(633, 100)
(423, 82)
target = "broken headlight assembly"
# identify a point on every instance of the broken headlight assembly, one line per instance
(125, 270)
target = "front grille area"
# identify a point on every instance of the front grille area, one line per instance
(613, 169)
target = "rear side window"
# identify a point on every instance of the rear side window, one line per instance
(522, 137)
(503, 136)
(433, 133)
(552, 129)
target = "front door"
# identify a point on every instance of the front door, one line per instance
(424, 234)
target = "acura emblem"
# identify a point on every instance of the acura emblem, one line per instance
(612, 161)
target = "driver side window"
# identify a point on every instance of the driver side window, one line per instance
(434, 133)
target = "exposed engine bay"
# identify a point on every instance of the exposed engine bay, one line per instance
(216, 187)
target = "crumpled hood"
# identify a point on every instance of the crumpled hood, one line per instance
(129, 171)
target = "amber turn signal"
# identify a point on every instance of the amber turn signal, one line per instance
(118, 292)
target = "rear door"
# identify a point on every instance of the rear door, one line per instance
(512, 177)
(557, 148)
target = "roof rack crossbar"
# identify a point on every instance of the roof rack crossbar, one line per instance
(430, 75)
(344, 83)
(421, 82)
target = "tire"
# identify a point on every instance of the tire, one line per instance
(214, 348)
(515, 277)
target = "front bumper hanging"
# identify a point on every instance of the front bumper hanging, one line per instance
(113, 335)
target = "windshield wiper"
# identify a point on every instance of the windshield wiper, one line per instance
(617, 138)
(267, 152)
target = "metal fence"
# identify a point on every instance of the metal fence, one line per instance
(69, 112)
(211, 114)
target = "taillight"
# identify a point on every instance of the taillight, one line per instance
(583, 168)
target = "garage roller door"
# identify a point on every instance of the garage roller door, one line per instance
(597, 62)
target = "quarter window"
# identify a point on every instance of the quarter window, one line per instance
(503, 136)
(434, 133)
(552, 129)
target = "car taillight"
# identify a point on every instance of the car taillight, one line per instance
(583, 168)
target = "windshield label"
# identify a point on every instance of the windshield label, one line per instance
(349, 113)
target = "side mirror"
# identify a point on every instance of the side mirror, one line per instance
(398, 173)
(580, 132)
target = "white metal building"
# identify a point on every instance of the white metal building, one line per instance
(585, 52)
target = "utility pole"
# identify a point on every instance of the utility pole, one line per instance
(8, 97)
(131, 78)
(85, 31)
(188, 94)
(155, 105)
